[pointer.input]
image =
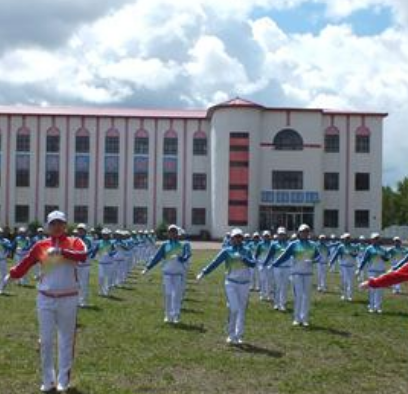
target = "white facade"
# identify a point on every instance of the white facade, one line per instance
(263, 199)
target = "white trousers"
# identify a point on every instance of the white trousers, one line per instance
(255, 278)
(347, 280)
(105, 277)
(83, 279)
(237, 302)
(375, 295)
(172, 287)
(302, 286)
(57, 315)
(322, 276)
(3, 272)
(266, 282)
(281, 275)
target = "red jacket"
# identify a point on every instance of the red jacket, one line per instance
(390, 278)
(72, 248)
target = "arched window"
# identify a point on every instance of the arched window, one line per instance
(170, 143)
(332, 139)
(141, 143)
(23, 140)
(200, 143)
(112, 141)
(288, 139)
(52, 158)
(363, 139)
(82, 161)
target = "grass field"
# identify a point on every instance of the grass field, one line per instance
(124, 347)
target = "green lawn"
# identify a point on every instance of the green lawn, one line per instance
(123, 346)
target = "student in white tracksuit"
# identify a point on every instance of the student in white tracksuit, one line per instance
(265, 274)
(5, 249)
(173, 254)
(57, 298)
(281, 274)
(322, 263)
(304, 253)
(252, 245)
(374, 257)
(104, 252)
(397, 253)
(21, 246)
(182, 236)
(238, 263)
(347, 253)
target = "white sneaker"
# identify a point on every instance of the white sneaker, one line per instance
(379, 311)
(305, 324)
(371, 310)
(276, 307)
(349, 299)
(282, 309)
(342, 297)
(240, 341)
(166, 320)
(62, 389)
(45, 388)
(295, 323)
(230, 340)
(176, 320)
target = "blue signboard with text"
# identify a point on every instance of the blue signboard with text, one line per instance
(289, 197)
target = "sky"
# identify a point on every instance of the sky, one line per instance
(341, 54)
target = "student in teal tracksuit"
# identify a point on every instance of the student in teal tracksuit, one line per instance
(238, 263)
(173, 254)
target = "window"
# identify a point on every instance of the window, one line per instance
(200, 145)
(199, 181)
(140, 181)
(287, 180)
(361, 218)
(331, 218)
(53, 143)
(288, 139)
(331, 181)
(169, 181)
(140, 172)
(170, 215)
(22, 170)
(82, 143)
(48, 209)
(170, 146)
(362, 143)
(82, 171)
(244, 164)
(81, 214)
(52, 170)
(198, 216)
(111, 171)
(23, 141)
(141, 145)
(331, 143)
(22, 213)
(238, 187)
(140, 215)
(110, 215)
(362, 181)
(112, 143)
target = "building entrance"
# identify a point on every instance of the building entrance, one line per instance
(272, 217)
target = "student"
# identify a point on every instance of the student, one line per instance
(304, 253)
(174, 255)
(238, 263)
(397, 253)
(84, 268)
(322, 263)
(57, 297)
(265, 274)
(5, 249)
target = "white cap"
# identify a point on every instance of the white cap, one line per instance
(152, 231)
(81, 226)
(361, 237)
(1, 230)
(293, 236)
(266, 233)
(236, 232)
(105, 231)
(346, 235)
(40, 229)
(322, 236)
(173, 227)
(375, 235)
(247, 235)
(281, 230)
(396, 239)
(118, 232)
(56, 215)
(303, 227)
(22, 230)
(333, 236)
(255, 234)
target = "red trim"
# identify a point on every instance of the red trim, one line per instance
(37, 183)
(271, 145)
(156, 147)
(7, 208)
(170, 133)
(332, 130)
(68, 123)
(346, 222)
(125, 171)
(98, 129)
(184, 201)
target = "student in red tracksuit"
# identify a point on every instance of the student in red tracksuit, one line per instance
(388, 279)
(57, 297)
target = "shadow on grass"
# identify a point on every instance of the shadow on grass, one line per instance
(7, 295)
(257, 350)
(329, 330)
(114, 298)
(188, 310)
(192, 300)
(190, 327)
(94, 308)
(74, 390)
(27, 286)
(127, 288)
(396, 314)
